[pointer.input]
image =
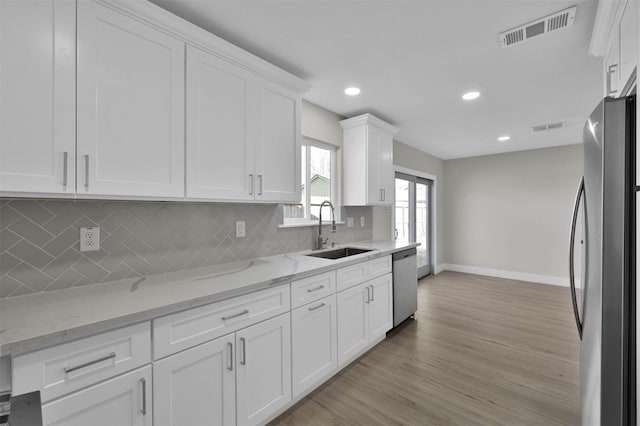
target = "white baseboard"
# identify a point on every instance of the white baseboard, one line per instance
(439, 268)
(512, 275)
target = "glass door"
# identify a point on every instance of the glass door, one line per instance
(413, 217)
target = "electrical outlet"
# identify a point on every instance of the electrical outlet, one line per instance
(349, 222)
(362, 221)
(240, 229)
(90, 239)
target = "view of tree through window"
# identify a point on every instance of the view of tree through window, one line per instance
(317, 167)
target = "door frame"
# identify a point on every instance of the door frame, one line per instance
(434, 210)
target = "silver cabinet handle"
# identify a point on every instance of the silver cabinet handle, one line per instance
(612, 69)
(143, 411)
(311, 290)
(373, 295)
(368, 296)
(395, 233)
(243, 343)
(317, 307)
(239, 314)
(384, 194)
(86, 170)
(230, 346)
(260, 186)
(65, 168)
(251, 185)
(87, 364)
(572, 237)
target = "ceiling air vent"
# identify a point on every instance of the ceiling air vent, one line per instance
(540, 26)
(550, 126)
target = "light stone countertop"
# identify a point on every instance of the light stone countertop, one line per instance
(35, 321)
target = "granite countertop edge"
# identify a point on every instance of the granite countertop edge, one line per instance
(59, 319)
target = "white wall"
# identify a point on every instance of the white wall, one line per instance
(321, 124)
(512, 212)
(412, 158)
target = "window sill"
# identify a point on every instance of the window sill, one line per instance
(307, 224)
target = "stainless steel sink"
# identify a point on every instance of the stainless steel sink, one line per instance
(339, 253)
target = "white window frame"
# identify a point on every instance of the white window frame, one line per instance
(335, 194)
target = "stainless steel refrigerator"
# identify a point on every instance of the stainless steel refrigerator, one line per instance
(604, 298)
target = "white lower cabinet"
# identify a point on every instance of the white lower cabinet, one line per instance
(314, 343)
(196, 387)
(365, 313)
(242, 378)
(123, 401)
(353, 320)
(263, 376)
(380, 306)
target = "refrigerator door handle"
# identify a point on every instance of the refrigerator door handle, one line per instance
(572, 280)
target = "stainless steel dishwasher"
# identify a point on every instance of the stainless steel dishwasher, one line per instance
(405, 285)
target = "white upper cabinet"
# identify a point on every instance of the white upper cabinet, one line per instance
(278, 150)
(220, 149)
(368, 161)
(243, 134)
(37, 97)
(615, 39)
(628, 42)
(130, 107)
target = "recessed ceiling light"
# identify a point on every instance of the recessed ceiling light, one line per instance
(352, 91)
(504, 138)
(470, 95)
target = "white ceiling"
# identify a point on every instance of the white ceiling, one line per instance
(414, 59)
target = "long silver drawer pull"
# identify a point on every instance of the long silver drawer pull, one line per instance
(368, 295)
(86, 171)
(230, 346)
(317, 307)
(260, 190)
(239, 314)
(86, 364)
(373, 295)
(65, 168)
(251, 185)
(243, 360)
(311, 290)
(143, 382)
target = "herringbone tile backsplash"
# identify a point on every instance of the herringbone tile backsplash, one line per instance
(40, 249)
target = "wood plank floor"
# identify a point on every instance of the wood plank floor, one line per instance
(484, 351)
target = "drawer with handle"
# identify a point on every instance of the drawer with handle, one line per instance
(312, 288)
(65, 368)
(182, 330)
(351, 275)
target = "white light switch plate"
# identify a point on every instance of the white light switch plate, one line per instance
(90, 239)
(362, 221)
(240, 229)
(349, 222)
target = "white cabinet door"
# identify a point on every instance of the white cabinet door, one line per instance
(130, 107)
(353, 323)
(628, 42)
(385, 168)
(123, 401)
(612, 66)
(220, 149)
(380, 306)
(278, 150)
(263, 376)
(196, 387)
(37, 96)
(374, 166)
(314, 343)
